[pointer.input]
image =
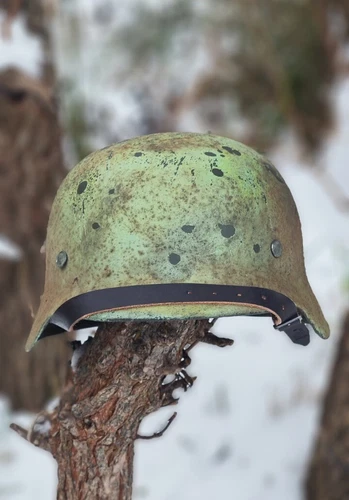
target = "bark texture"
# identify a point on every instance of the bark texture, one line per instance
(31, 169)
(117, 379)
(328, 477)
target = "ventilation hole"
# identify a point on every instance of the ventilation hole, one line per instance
(62, 259)
(276, 248)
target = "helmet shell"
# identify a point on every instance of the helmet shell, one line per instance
(174, 208)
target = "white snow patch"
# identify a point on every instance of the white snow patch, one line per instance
(52, 404)
(26, 472)
(22, 49)
(9, 250)
(84, 333)
(78, 352)
(42, 425)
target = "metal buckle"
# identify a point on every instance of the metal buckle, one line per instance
(296, 330)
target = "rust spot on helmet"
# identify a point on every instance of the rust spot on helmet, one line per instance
(95, 225)
(107, 271)
(256, 248)
(208, 153)
(139, 153)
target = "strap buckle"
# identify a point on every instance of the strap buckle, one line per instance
(296, 330)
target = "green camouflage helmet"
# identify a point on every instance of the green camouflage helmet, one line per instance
(175, 226)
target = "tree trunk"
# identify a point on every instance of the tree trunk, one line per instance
(31, 169)
(328, 477)
(117, 379)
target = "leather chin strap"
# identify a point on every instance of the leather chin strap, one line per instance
(73, 311)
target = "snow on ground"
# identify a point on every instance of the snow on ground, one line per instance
(20, 48)
(26, 472)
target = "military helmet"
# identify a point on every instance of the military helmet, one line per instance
(175, 226)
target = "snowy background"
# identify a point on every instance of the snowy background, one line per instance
(247, 427)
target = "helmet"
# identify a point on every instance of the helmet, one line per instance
(175, 226)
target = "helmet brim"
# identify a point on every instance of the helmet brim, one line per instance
(164, 302)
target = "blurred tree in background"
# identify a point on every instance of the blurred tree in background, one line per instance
(31, 170)
(328, 477)
(246, 68)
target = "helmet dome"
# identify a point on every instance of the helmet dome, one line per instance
(172, 226)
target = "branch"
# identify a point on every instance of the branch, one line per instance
(118, 379)
(20, 430)
(160, 433)
(210, 338)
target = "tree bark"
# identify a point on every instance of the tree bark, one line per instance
(328, 477)
(117, 379)
(31, 169)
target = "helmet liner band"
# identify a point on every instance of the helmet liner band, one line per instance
(72, 312)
